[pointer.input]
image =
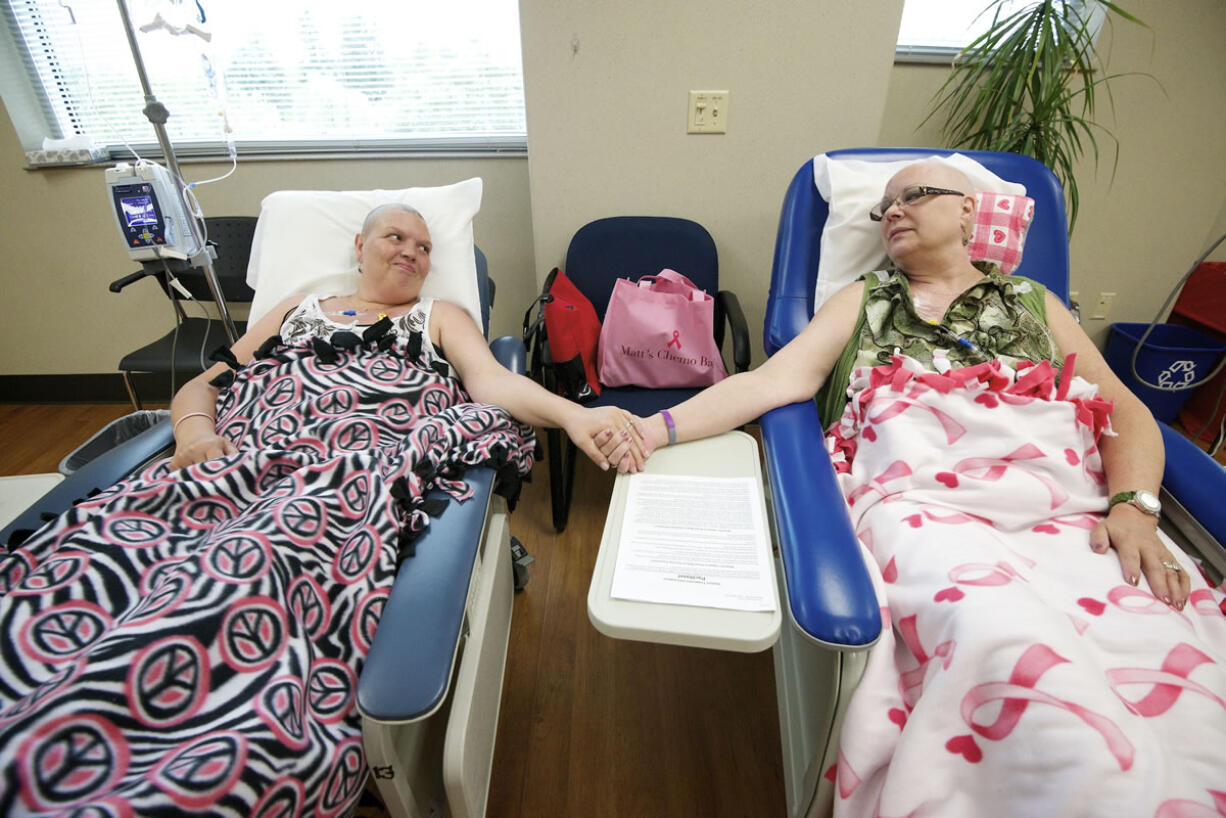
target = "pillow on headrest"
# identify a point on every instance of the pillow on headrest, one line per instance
(851, 242)
(304, 242)
(999, 231)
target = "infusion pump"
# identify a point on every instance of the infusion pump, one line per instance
(150, 212)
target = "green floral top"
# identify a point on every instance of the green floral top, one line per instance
(999, 316)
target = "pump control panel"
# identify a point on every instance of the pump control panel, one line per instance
(150, 212)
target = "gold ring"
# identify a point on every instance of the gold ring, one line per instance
(1171, 565)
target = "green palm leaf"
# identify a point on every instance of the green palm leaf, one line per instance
(1027, 85)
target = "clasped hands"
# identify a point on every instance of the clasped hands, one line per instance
(612, 437)
(606, 434)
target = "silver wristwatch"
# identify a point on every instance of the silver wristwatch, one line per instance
(1146, 501)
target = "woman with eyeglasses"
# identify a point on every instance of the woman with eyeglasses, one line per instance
(935, 298)
(991, 461)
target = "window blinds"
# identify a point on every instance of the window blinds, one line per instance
(313, 74)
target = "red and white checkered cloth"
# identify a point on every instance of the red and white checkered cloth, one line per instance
(999, 231)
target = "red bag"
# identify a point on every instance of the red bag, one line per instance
(659, 333)
(563, 340)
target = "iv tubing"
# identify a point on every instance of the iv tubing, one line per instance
(157, 114)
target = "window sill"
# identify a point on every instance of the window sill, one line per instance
(926, 55)
(199, 154)
(40, 160)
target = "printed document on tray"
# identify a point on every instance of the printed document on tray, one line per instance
(694, 541)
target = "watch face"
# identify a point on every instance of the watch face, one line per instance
(1148, 502)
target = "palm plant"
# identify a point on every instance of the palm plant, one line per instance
(1027, 85)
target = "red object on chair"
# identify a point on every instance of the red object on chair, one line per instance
(1202, 306)
(573, 329)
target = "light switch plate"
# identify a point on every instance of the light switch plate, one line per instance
(708, 112)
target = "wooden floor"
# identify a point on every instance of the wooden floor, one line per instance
(593, 726)
(590, 726)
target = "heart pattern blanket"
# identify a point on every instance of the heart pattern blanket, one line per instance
(1018, 673)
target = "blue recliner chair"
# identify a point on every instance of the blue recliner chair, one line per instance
(834, 611)
(629, 247)
(431, 687)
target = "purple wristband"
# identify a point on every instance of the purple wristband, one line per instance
(672, 428)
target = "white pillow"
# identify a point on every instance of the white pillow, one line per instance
(851, 242)
(304, 242)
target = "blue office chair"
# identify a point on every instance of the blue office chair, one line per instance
(834, 609)
(629, 247)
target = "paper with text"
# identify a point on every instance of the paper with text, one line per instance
(694, 541)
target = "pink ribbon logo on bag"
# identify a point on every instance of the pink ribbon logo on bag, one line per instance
(675, 340)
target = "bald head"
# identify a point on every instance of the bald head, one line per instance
(932, 172)
(372, 218)
(932, 227)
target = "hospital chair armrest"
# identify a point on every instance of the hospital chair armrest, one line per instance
(131, 278)
(102, 472)
(729, 305)
(829, 591)
(511, 353)
(409, 667)
(158, 269)
(1196, 481)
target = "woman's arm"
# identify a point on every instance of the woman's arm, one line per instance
(487, 381)
(794, 373)
(193, 409)
(1132, 460)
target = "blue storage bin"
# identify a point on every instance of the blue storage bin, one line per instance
(1172, 354)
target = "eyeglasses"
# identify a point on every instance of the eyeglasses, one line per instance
(909, 196)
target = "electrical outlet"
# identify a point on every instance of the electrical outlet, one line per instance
(1102, 306)
(1074, 305)
(708, 112)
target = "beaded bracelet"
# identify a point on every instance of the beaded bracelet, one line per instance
(672, 428)
(175, 428)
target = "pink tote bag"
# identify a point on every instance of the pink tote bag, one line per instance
(659, 333)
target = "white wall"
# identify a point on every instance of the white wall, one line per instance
(607, 87)
(607, 90)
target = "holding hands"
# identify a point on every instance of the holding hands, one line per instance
(629, 447)
(610, 437)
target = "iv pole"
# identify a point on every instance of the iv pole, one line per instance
(157, 114)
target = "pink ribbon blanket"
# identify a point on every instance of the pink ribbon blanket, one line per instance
(1018, 673)
(190, 641)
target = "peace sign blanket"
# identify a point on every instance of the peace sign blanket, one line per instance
(190, 641)
(1018, 673)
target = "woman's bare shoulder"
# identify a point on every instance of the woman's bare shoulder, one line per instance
(844, 304)
(290, 302)
(448, 313)
(854, 290)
